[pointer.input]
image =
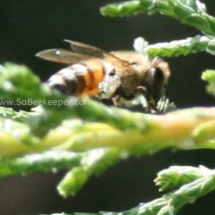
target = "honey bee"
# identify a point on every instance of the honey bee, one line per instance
(117, 75)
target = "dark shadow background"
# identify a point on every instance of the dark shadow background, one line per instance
(27, 27)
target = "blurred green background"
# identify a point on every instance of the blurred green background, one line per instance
(27, 27)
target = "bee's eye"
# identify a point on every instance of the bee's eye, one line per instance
(157, 81)
(157, 75)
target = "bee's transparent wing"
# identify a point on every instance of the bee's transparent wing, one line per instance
(92, 51)
(61, 56)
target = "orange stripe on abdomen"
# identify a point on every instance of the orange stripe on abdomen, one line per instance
(94, 75)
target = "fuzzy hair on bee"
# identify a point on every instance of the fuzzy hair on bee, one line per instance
(117, 75)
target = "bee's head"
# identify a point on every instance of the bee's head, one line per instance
(155, 82)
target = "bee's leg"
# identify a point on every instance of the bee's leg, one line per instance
(162, 104)
(151, 106)
(116, 101)
(144, 92)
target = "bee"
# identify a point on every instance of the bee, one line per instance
(117, 75)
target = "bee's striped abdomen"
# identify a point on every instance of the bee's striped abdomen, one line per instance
(89, 74)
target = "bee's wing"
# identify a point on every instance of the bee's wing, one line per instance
(61, 56)
(95, 52)
(131, 57)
